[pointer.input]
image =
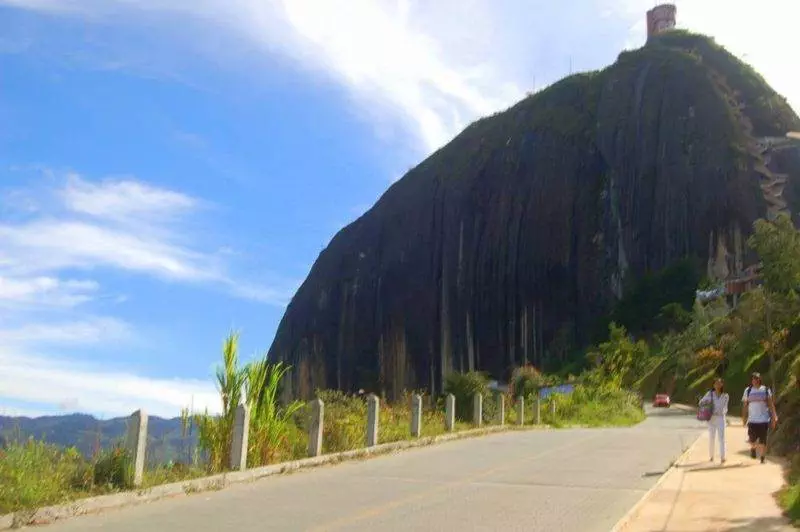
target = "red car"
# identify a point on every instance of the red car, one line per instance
(661, 399)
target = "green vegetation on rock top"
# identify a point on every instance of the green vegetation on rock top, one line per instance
(770, 112)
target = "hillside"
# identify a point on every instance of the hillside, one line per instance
(88, 434)
(516, 241)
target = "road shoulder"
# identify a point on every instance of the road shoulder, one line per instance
(696, 494)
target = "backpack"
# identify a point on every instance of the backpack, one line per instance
(769, 392)
(747, 395)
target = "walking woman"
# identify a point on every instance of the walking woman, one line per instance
(716, 425)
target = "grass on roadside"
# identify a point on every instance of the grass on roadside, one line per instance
(35, 474)
(594, 406)
(790, 496)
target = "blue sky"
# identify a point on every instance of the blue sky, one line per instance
(169, 170)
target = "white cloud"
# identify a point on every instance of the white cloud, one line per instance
(429, 66)
(385, 51)
(88, 331)
(125, 200)
(436, 66)
(117, 224)
(55, 244)
(44, 291)
(50, 382)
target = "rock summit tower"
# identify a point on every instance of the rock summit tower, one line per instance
(660, 19)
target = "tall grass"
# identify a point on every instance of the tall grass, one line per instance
(34, 474)
(270, 422)
(258, 385)
(594, 406)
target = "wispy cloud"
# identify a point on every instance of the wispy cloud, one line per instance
(56, 244)
(125, 200)
(89, 331)
(117, 224)
(420, 64)
(53, 253)
(45, 292)
(435, 66)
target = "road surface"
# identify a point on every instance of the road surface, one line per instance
(553, 480)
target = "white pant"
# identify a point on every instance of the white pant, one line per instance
(716, 427)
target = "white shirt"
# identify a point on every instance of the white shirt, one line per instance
(757, 405)
(720, 402)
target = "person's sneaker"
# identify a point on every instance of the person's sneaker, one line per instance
(752, 453)
(762, 459)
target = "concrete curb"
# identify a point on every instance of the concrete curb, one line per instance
(623, 522)
(49, 514)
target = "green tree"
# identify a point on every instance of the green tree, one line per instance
(778, 245)
(527, 381)
(619, 360)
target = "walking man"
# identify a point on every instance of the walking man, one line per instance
(758, 413)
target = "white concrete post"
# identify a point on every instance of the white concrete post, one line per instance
(240, 438)
(521, 411)
(137, 444)
(373, 416)
(477, 409)
(553, 406)
(538, 410)
(315, 427)
(416, 416)
(501, 409)
(450, 412)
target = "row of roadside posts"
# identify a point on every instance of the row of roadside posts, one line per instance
(137, 432)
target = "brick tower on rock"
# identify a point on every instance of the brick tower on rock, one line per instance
(660, 19)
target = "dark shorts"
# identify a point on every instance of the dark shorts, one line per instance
(757, 432)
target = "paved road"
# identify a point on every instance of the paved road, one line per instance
(553, 480)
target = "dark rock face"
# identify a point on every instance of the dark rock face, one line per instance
(507, 244)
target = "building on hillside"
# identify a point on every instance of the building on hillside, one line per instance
(733, 287)
(660, 19)
(749, 279)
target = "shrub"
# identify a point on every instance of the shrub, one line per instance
(345, 421)
(464, 386)
(594, 406)
(527, 380)
(790, 496)
(114, 469)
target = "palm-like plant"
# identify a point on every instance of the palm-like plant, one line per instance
(215, 432)
(269, 421)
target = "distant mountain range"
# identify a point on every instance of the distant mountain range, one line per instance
(166, 438)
